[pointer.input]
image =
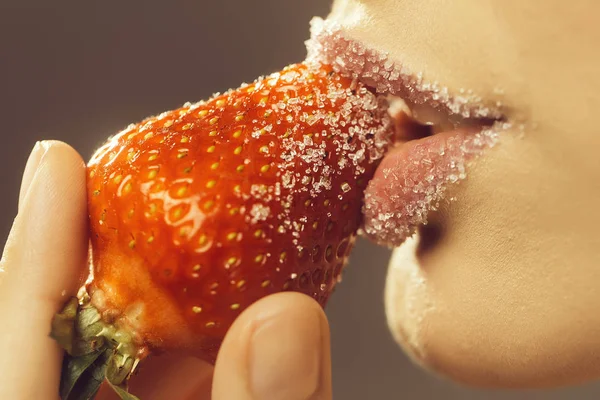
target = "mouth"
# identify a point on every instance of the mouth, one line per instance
(438, 134)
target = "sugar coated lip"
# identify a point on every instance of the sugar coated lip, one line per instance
(330, 44)
(414, 177)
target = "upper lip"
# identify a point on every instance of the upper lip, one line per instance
(411, 181)
(436, 105)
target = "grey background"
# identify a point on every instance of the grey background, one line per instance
(79, 71)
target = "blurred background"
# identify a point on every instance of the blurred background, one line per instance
(81, 71)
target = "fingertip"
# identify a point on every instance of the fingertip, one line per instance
(64, 154)
(49, 240)
(278, 349)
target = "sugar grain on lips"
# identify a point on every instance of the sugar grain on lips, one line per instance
(329, 44)
(417, 183)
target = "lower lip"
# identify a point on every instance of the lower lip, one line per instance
(414, 177)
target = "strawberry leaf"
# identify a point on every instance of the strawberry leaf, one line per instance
(82, 376)
(122, 392)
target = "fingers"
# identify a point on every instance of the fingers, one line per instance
(42, 261)
(277, 349)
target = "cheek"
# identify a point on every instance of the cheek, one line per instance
(505, 294)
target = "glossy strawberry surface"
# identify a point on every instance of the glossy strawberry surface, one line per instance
(198, 212)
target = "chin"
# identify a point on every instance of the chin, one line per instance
(481, 312)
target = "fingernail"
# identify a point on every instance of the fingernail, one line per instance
(33, 162)
(285, 356)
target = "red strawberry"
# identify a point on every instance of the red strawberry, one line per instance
(200, 211)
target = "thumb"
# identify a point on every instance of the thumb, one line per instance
(42, 261)
(277, 349)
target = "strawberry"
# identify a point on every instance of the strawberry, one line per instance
(200, 211)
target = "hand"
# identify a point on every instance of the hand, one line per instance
(277, 349)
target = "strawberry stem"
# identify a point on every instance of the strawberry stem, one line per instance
(92, 354)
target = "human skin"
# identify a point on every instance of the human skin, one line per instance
(501, 289)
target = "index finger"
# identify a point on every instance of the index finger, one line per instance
(42, 261)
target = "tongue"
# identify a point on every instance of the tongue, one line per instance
(412, 180)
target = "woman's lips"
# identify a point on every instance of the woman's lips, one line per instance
(412, 180)
(430, 155)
